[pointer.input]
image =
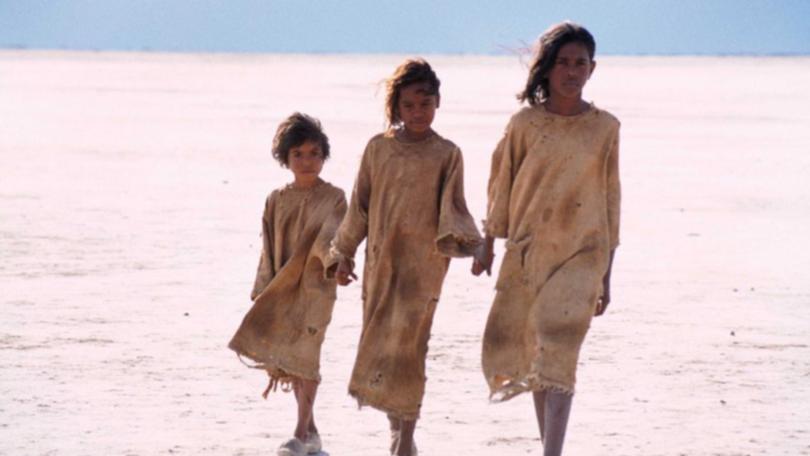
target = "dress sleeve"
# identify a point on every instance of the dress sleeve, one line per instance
(265, 272)
(499, 188)
(614, 191)
(457, 234)
(354, 227)
(322, 246)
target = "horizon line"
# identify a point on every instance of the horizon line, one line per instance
(13, 47)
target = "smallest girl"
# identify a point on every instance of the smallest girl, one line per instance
(293, 299)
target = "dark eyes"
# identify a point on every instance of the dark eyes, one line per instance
(423, 104)
(580, 62)
(298, 154)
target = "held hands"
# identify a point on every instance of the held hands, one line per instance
(344, 274)
(482, 259)
(604, 300)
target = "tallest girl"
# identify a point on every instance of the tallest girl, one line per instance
(554, 196)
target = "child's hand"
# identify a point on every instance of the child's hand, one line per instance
(344, 274)
(478, 267)
(482, 259)
(604, 300)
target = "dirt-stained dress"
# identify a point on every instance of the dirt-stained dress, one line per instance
(293, 298)
(408, 201)
(554, 195)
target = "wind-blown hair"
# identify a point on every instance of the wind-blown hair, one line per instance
(412, 71)
(545, 56)
(294, 131)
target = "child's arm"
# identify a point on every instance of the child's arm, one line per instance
(604, 300)
(499, 190)
(322, 248)
(499, 187)
(614, 193)
(345, 272)
(354, 228)
(265, 272)
(484, 256)
(457, 234)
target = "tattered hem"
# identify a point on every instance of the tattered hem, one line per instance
(396, 414)
(503, 389)
(457, 246)
(279, 373)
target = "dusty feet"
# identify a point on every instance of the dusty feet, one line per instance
(395, 439)
(292, 447)
(313, 443)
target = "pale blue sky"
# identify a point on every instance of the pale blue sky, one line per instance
(416, 26)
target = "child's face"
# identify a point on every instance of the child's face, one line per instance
(416, 108)
(570, 72)
(306, 162)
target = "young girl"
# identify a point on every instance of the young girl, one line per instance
(554, 196)
(284, 329)
(408, 200)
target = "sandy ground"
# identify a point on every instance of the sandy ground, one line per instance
(131, 188)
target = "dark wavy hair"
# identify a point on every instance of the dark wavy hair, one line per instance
(546, 50)
(294, 131)
(412, 71)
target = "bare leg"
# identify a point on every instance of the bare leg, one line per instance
(394, 424)
(557, 410)
(406, 428)
(312, 428)
(305, 391)
(540, 411)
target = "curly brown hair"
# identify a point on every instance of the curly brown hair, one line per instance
(294, 131)
(412, 71)
(546, 50)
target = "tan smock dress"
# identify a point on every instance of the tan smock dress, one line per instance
(293, 298)
(408, 201)
(554, 196)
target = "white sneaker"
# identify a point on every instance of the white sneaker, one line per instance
(292, 447)
(313, 443)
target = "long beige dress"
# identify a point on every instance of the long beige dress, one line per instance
(285, 328)
(554, 195)
(408, 200)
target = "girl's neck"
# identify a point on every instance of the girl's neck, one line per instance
(405, 135)
(566, 106)
(305, 184)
